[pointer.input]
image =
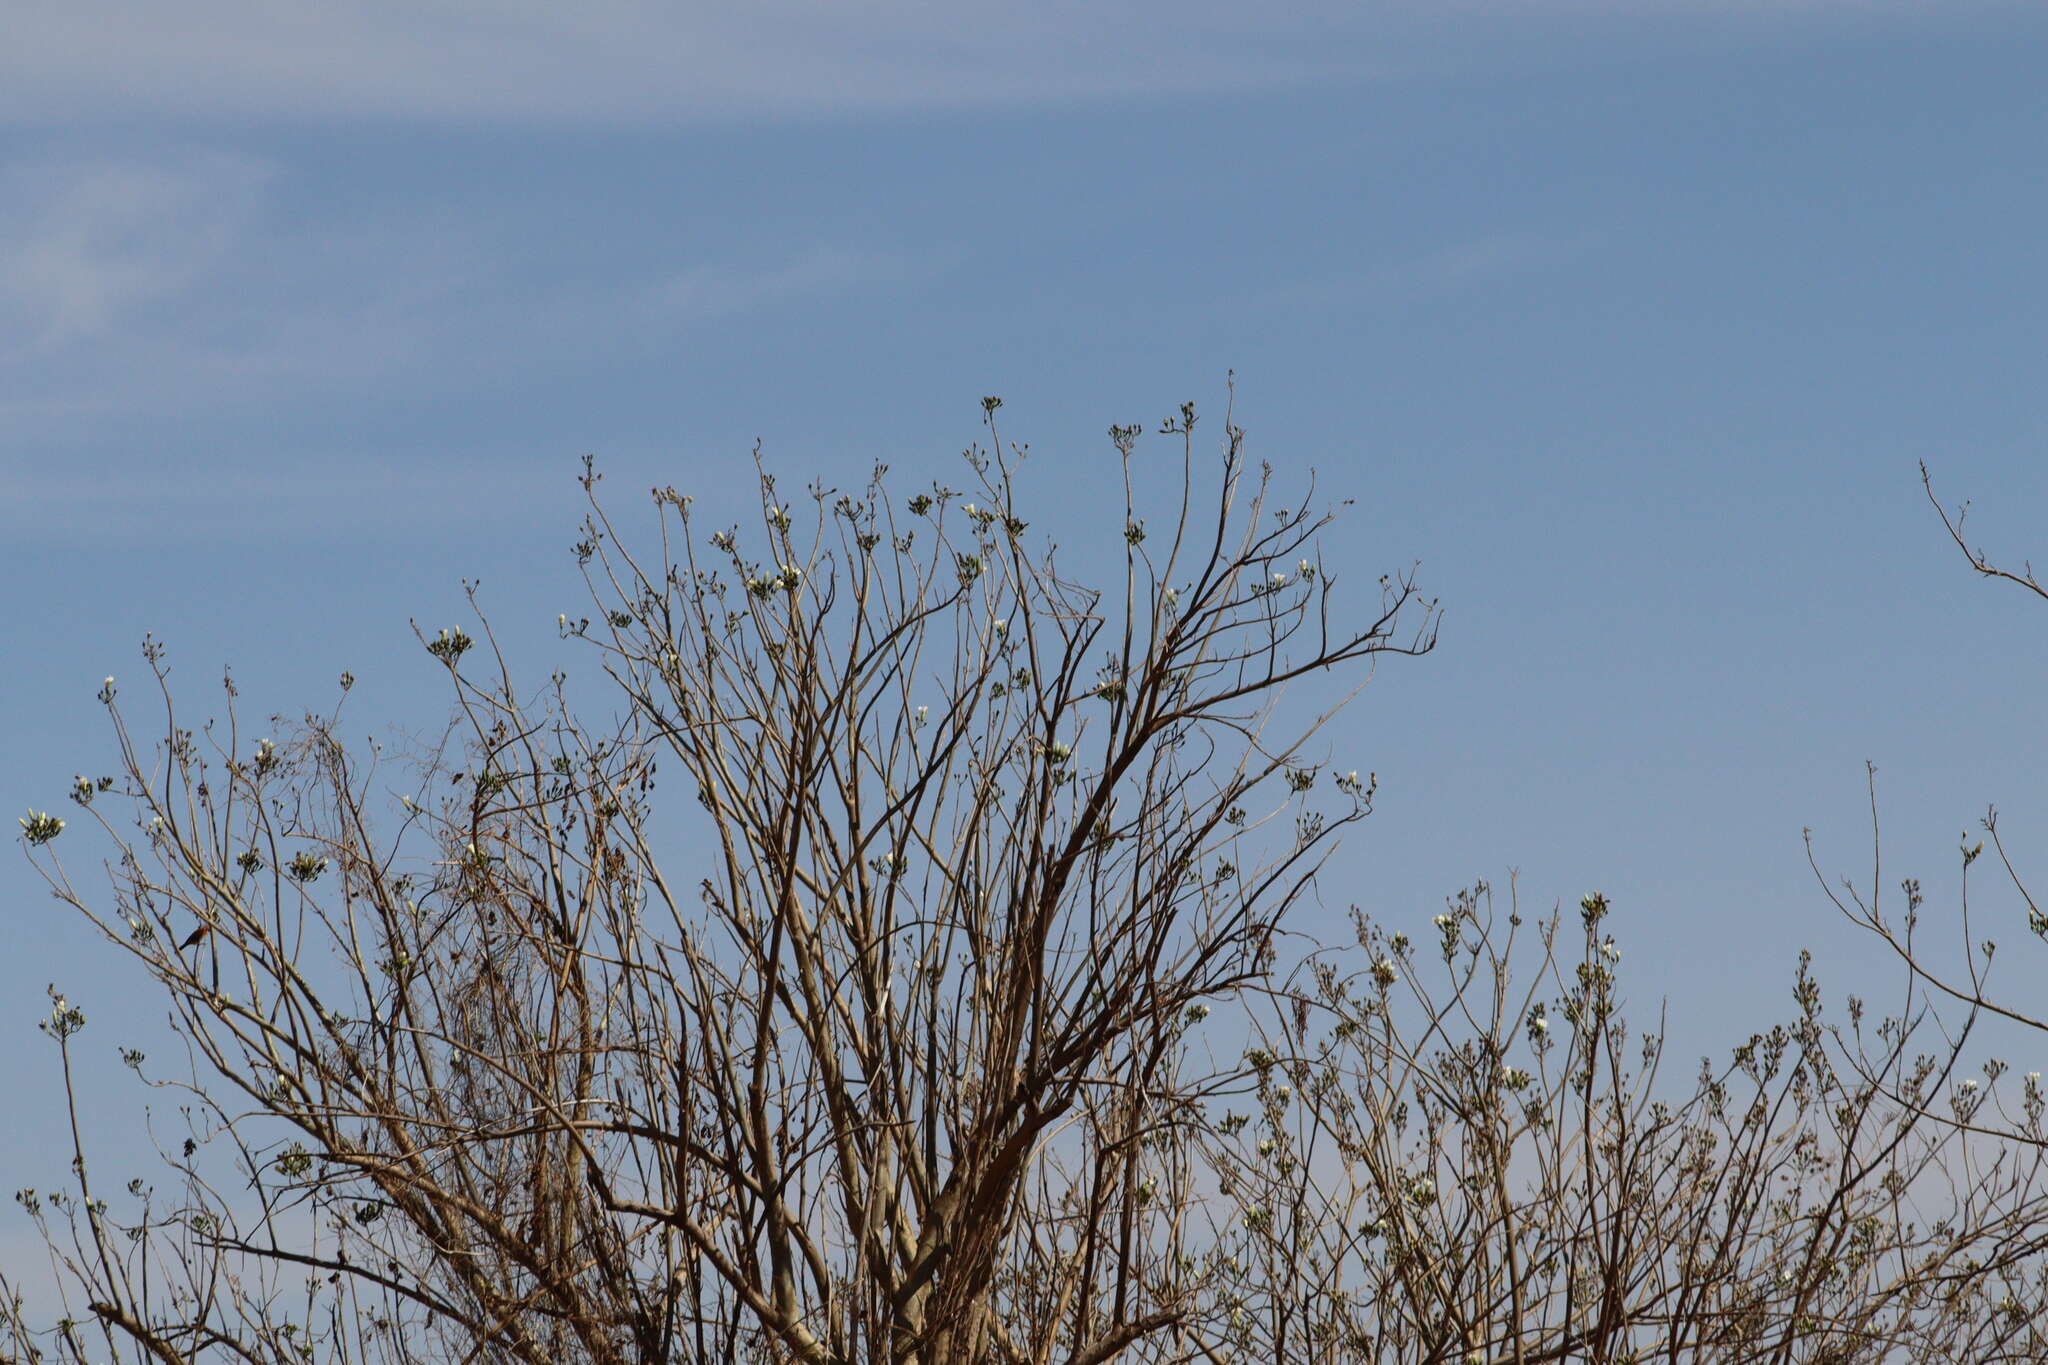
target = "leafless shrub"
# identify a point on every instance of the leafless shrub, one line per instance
(894, 1042)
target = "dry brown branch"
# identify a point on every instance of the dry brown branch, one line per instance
(891, 1040)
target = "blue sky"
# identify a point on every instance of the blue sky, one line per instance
(1629, 321)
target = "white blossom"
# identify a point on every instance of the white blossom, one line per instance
(40, 826)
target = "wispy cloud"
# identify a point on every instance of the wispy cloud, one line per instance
(705, 292)
(611, 58)
(86, 59)
(1472, 263)
(160, 283)
(83, 249)
(308, 496)
(184, 284)
(190, 290)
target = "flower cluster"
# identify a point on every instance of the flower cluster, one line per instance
(65, 1019)
(1450, 927)
(786, 578)
(40, 826)
(450, 645)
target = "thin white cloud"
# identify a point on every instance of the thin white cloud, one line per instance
(1461, 265)
(159, 285)
(348, 493)
(171, 287)
(1483, 259)
(703, 293)
(67, 60)
(84, 248)
(603, 58)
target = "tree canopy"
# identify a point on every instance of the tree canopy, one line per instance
(946, 1007)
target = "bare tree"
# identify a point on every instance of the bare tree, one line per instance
(1962, 981)
(894, 1043)
(1460, 1151)
(862, 1061)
